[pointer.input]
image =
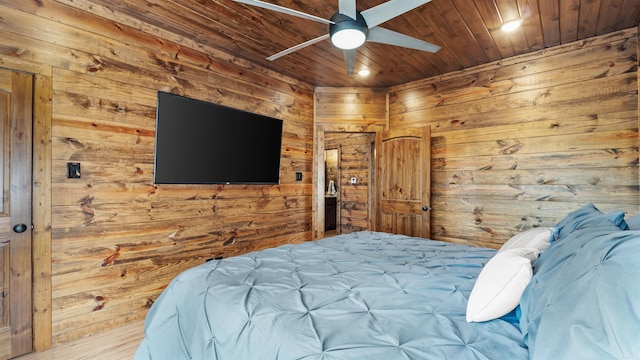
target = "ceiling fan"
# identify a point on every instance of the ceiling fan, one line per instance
(349, 28)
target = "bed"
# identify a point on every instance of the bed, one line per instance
(370, 295)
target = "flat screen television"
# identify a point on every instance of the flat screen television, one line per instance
(198, 142)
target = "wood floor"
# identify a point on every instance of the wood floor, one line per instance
(117, 344)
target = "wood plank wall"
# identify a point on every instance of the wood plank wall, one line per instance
(350, 109)
(355, 160)
(521, 142)
(116, 238)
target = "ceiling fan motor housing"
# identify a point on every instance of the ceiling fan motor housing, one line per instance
(343, 22)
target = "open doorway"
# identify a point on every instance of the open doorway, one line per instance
(345, 191)
(331, 195)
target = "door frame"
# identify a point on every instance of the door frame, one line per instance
(318, 173)
(41, 194)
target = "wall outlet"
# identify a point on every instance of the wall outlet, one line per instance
(354, 180)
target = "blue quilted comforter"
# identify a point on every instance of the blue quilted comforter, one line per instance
(363, 295)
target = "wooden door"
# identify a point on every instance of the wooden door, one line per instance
(15, 214)
(404, 181)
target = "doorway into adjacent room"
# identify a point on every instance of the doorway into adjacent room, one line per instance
(332, 176)
(348, 182)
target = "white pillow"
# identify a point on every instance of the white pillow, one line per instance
(500, 284)
(536, 238)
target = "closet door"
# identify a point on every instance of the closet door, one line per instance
(15, 214)
(404, 181)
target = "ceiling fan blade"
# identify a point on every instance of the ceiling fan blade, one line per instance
(388, 10)
(284, 10)
(385, 36)
(297, 47)
(347, 7)
(350, 60)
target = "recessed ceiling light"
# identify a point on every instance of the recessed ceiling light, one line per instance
(364, 72)
(511, 25)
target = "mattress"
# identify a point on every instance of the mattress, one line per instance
(354, 296)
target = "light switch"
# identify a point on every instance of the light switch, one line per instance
(354, 180)
(73, 170)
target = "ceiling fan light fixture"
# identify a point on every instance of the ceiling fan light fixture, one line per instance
(349, 28)
(347, 33)
(511, 25)
(348, 39)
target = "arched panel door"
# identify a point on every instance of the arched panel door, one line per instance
(404, 182)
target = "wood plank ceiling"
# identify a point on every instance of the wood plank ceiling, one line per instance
(467, 30)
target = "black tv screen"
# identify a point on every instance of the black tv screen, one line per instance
(198, 142)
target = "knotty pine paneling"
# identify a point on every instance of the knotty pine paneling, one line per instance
(350, 107)
(117, 239)
(521, 142)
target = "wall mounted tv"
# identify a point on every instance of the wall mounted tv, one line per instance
(198, 142)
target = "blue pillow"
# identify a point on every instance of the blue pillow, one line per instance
(582, 301)
(633, 222)
(578, 218)
(513, 317)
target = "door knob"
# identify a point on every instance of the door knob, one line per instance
(425, 208)
(19, 228)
